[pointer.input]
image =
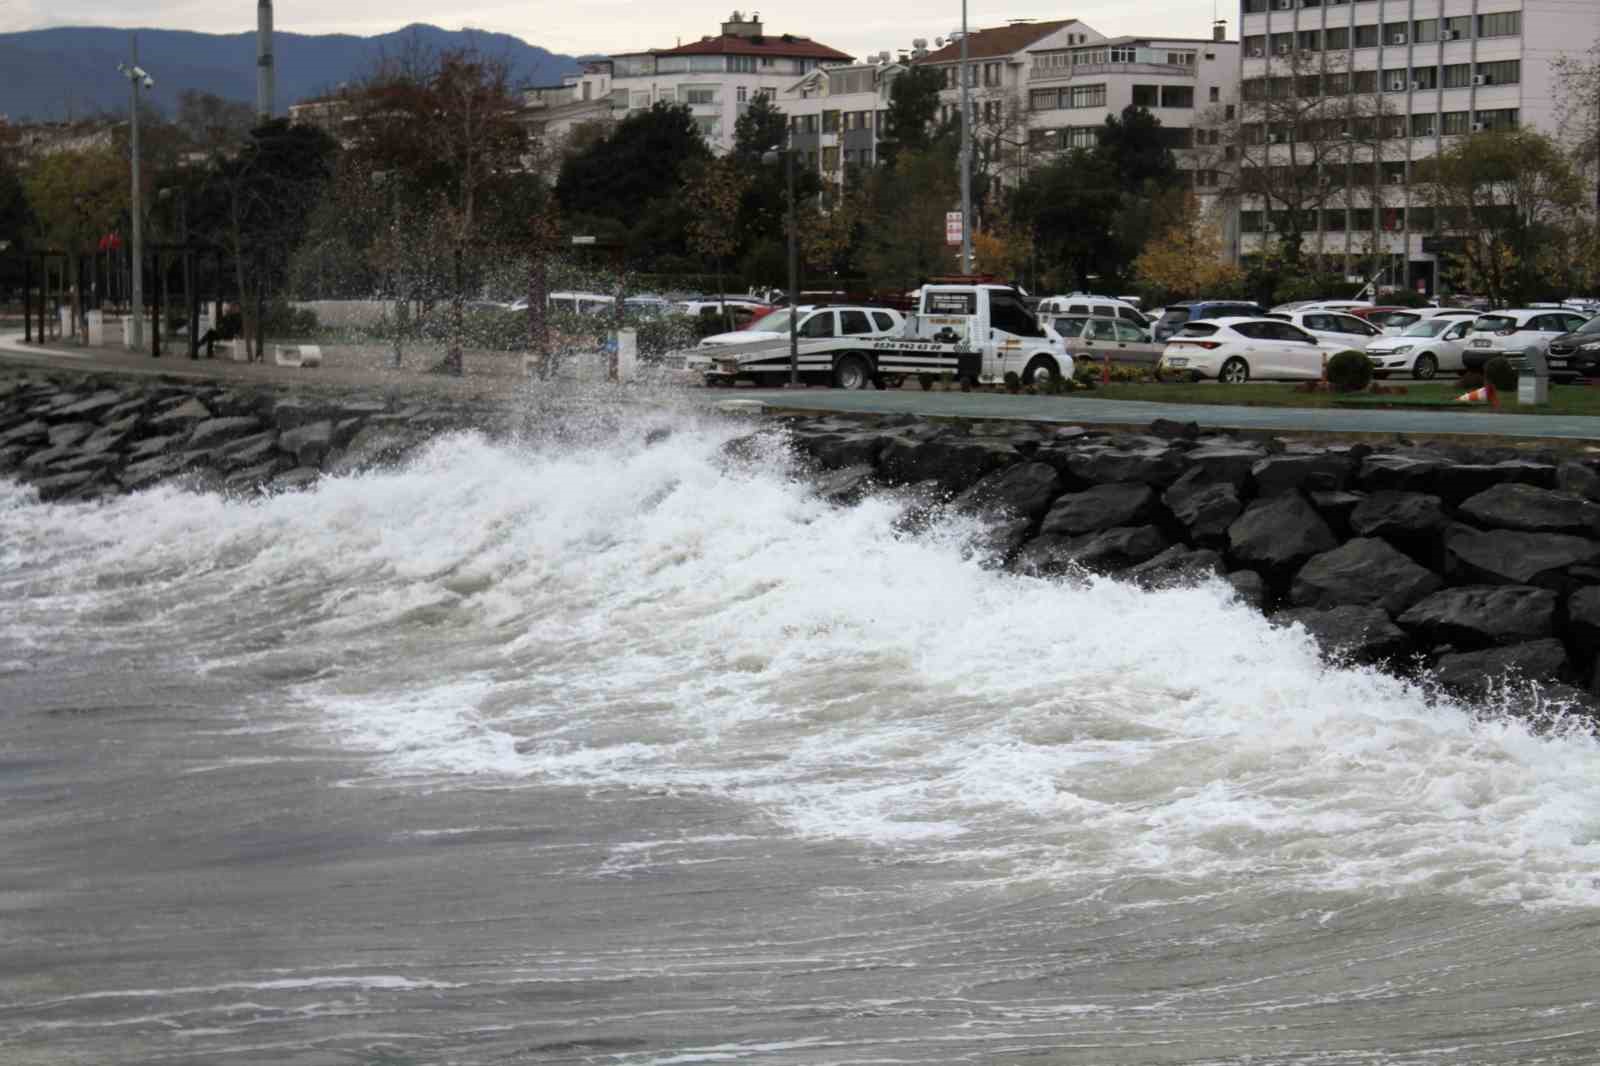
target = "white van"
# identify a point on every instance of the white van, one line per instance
(584, 303)
(1096, 306)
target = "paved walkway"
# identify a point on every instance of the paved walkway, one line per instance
(989, 405)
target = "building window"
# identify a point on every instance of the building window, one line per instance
(1425, 78)
(1180, 59)
(830, 159)
(1456, 28)
(1500, 24)
(1282, 44)
(1214, 94)
(1453, 122)
(1122, 55)
(1366, 37)
(1177, 96)
(1457, 76)
(1364, 81)
(1145, 95)
(700, 97)
(742, 95)
(1044, 100)
(1336, 39)
(830, 122)
(1504, 118)
(1310, 40)
(1423, 125)
(1088, 95)
(742, 64)
(1228, 112)
(1255, 46)
(1425, 30)
(1083, 136)
(1333, 220)
(1249, 221)
(1505, 72)
(1255, 7)
(1396, 33)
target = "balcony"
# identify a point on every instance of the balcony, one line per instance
(1039, 75)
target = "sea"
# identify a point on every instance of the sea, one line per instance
(612, 744)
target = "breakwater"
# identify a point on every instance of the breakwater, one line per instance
(1477, 565)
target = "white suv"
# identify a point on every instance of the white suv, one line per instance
(1095, 306)
(1511, 333)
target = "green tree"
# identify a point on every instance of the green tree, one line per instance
(760, 129)
(1510, 195)
(1070, 206)
(903, 242)
(77, 197)
(913, 105)
(714, 194)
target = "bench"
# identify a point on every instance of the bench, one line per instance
(302, 355)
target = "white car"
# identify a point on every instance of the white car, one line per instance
(1332, 326)
(814, 322)
(1319, 305)
(1098, 306)
(1236, 350)
(1426, 348)
(1394, 323)
(1511, 333)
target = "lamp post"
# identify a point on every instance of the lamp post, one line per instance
(966, 153)
(136, 77)
(794, 262)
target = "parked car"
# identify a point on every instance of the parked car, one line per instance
(1319, 305)
(829, 321)
(1576, 354)
(1396, 320)
(1234, 350)
(1094, 338)
(1511, 333)
(1333, 326)
(1425, 349)
(1177, 314)
(1099, 306)
(584, 303)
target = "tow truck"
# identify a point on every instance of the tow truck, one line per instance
(975, 332)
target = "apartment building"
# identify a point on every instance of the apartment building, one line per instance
(836, 117)
(1405, 78)
(716, 76)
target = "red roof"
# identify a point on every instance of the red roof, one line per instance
(785, 45)
(997, 41)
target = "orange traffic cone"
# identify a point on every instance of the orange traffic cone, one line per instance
(1484, 395)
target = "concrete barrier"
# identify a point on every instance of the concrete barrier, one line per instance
(298, 355)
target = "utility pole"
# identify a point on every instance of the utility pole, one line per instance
(966, 153)
(265, 73)
(136, 77)
(794, 273)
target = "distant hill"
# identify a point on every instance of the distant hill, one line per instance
(71, 71)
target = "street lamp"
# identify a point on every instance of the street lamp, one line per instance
(136, 78)
(966, 153)
(770, 156)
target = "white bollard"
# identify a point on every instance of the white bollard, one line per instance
(96, 328)
(127, 331)
(627, 354)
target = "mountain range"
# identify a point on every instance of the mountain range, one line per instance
(70, 72)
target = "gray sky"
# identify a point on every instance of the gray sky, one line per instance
(603, 26)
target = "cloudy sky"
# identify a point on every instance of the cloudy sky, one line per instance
(600, 26)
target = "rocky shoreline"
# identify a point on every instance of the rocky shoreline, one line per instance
(1474, 564)
(1477, 565)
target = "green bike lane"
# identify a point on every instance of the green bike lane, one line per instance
(996, 406)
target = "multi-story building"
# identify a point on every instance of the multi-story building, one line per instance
(836, 117)
(1379, 85)
(717, 77)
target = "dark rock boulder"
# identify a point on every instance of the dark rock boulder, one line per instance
(251, 478)
(1583, 619)
(308, 444)
(1313, 472)
(1478, 616)
(1100, 465)
(62, 486)
(1250, 588)
(1102, 552)
(1231, 464)
(1389, 513)
(112, 436)
(154, 446)
(1336, 506)
(955, 463)
(1401, 473)
(181, 417)
(299, 478)
(1454, 482)
(1102, 507)
(218, 431)
(375, 446)
(999, 540)
(1512, 557)
(1351, 632)
(294, 411)
(1024, 490)
(69, 433)
(32, 431)
(1177, 565)
(1365, 572)
(1205, 508)
(844, 487)
(94, 406)
(1276, 536)
(1580, 479)
(1166, 427)
(1475, 674)
(142, 475)
(835, 451)
(1535, 510)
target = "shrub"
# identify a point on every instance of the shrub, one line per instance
(926, 381)
(1349, 371)
(1013, 382)
(1501, 374)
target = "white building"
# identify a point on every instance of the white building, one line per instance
(1427, 71)
(716, 77)
(836, 116)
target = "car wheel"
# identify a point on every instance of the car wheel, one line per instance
(1041, 371)
(852, 372)
(1425, 368)
(1234, 372)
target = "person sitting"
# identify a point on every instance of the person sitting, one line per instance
(230, 324)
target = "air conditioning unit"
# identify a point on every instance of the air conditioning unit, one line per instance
(1482, 79)
(1479, 127)
(1416, 85)
(1397, 179)
(1257, 53)
(1398, 38)
(1428, 132)
(1273, 138)
(1452, 35)
(1284, 5)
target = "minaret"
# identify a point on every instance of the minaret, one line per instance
(264, 77)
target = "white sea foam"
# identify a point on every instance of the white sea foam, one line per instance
(657, 618)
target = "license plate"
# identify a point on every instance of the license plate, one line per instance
(1178, 362)
(1558, 362)
(1480, 344)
